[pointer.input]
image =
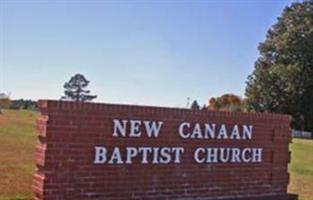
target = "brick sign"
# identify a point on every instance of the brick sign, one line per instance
(120, 152)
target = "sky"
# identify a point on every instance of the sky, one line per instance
(132, 52)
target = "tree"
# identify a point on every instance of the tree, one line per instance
(282, 80)
(5, 103)
(23, 104)
(74, 89)
(226, 102)
(195, 105)
(204, 108)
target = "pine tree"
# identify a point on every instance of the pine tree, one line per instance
(195, 105)
(75, 89)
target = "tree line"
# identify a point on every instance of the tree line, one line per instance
(18, 104)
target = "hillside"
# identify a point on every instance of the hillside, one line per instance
(18, 140)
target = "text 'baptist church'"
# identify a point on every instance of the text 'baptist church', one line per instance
(167, 155)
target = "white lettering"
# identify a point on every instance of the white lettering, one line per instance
(155, 155)
(178, 151)
(196, 133)
(119, 128)
(165, 155)
(212, 154)
(235, 133)
(145, 151)
(222, 133)
(152, 128)
(209, 131)
(224, 158)
(235, 155)
(181, 130)
(100, 155)
(116, 157)
(196, 155)
(247, 132)
(257, 155)
(131, 152)
(135, 128)
(244, 155)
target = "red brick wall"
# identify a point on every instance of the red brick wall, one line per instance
(69, 131)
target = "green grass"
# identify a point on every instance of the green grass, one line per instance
(17, 145)
(301, 168)
(18, 140)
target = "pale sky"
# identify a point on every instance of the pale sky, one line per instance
(133, 52)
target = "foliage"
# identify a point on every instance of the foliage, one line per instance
(23, 104)
(204, 108)
(74, 89)
(282, 80)
(5, 103)
(195, 105)
(226, 102)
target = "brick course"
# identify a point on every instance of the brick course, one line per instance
(69, 131)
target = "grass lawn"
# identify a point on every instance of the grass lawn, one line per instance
(301, 168)
(17, 144)
(18, 140)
